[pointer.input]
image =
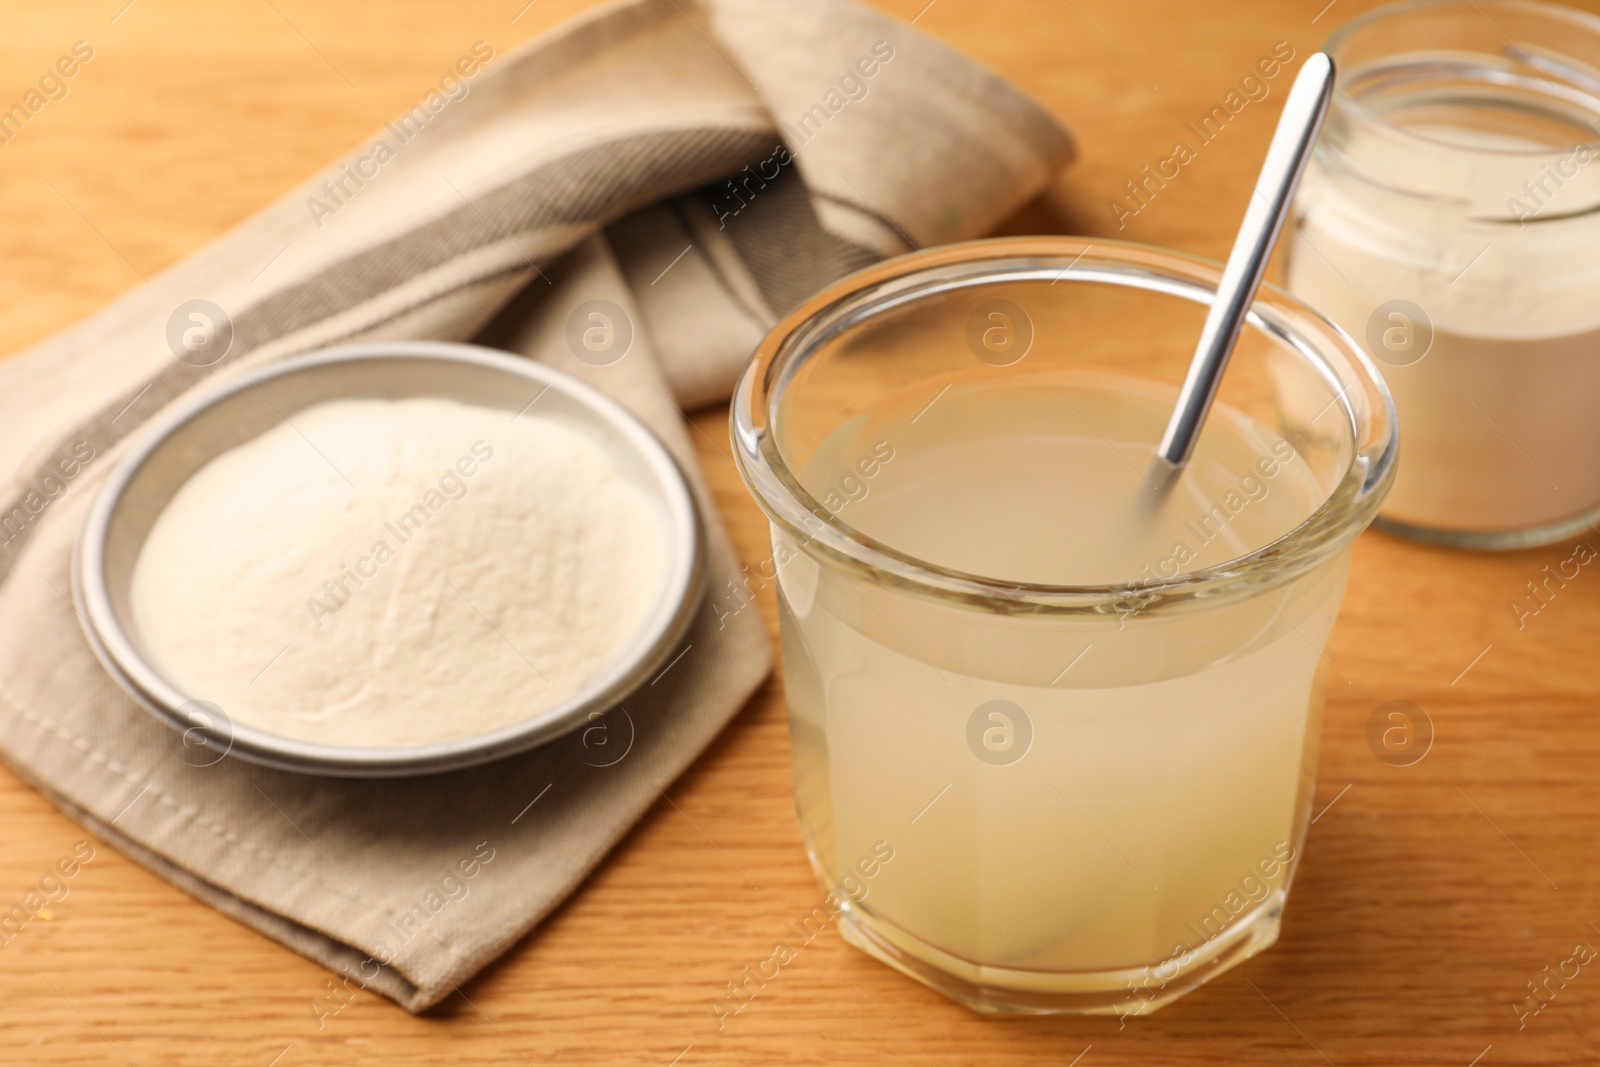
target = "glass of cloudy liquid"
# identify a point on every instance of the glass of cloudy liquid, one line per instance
(1450, 220)
(1054, 739)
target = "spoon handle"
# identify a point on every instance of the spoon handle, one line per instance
(1297, 131)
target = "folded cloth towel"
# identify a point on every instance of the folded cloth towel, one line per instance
(698, 165)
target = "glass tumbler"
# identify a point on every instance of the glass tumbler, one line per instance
(1450, 220)
(1034, 797)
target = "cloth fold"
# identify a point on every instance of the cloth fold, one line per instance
(692, 169)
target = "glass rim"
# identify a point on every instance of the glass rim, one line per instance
(1343, 101)
(1337, 359)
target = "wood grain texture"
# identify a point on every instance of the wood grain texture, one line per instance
(1428, 896)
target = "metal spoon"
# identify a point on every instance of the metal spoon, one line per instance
(1287, 156)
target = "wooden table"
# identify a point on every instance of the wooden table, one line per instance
(1428, 896)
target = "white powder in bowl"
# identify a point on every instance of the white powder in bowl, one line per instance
(383, 573)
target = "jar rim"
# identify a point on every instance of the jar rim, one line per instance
(1357, 386)
(1340, 38)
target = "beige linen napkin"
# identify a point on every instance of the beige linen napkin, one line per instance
(698, 166)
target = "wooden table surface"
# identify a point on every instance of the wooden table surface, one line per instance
(1429, 894)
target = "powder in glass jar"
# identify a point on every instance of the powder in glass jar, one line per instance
(384, 573)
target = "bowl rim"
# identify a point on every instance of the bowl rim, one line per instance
(661, 630)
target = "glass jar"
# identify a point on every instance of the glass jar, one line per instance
(1051, 797)
(1450, 220)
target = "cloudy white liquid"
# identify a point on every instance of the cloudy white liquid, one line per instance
(1170, 752)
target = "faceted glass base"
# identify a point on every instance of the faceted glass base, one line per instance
(997, 990)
